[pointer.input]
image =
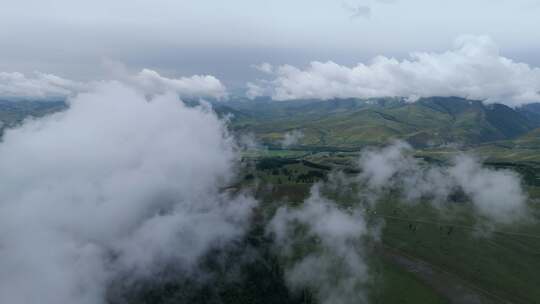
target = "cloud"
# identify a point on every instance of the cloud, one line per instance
(119, 185)
(256, 90)
(323, 244)
(496, 195)
(473, 69)
(194, 86)
(363, 10)
(291, 138)
(264, 67)
(333, 268)
(40, 86)
(357, 11)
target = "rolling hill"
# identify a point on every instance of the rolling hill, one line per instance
(349, 124)
(353, 123)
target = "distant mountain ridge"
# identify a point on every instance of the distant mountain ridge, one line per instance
(353, 123)
(13, 112)
(345, 124)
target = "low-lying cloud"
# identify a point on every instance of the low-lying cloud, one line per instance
(118, 185)
(333, 265)
(195, 86)
(38, 86)
(324, 246)
(473, 69)
(291, 138)
(496, 195)
(41, 86)
(357, 11)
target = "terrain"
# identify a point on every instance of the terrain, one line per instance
(422, 256)
(350, 124)
(438, 259)
(420, 248)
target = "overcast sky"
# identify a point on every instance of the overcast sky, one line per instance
(179, 37)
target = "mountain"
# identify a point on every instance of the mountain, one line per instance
(349, 124)
(531, 111)
(353, 123)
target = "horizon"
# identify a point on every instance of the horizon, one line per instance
(270, 151)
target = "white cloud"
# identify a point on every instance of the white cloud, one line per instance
(291, 138)
(334, 268)
(264, 67)
(37, 86)
(195, 86)
(115, 185)
(255, 90)
(496, 195)
(473, 69)
(357, 11)
(40, 86)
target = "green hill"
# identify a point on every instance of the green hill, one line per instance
(349, 124)
(353, 123)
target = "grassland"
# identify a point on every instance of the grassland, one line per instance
(351, 124)
(499, 266)
(420, 252)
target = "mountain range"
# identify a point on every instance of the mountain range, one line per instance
(350, 124)
(354, 123)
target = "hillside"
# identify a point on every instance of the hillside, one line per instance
(353, 123)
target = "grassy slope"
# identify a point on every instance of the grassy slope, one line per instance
(356, 123)
(502, 264)
(525, 148)
(399, 286)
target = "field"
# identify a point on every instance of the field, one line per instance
(423, 256)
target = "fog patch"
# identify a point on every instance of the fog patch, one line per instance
(248, 142)
(322, 246)
(496, 195)
(291, 138)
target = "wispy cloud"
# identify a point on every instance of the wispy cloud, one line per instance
(496, 195)
(357, 10)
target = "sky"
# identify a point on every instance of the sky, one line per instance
(128, 182)
(72, 39)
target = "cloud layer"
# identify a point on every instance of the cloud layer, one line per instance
(40, 86)
(37, 86)
(115, 186)
(473, 69)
